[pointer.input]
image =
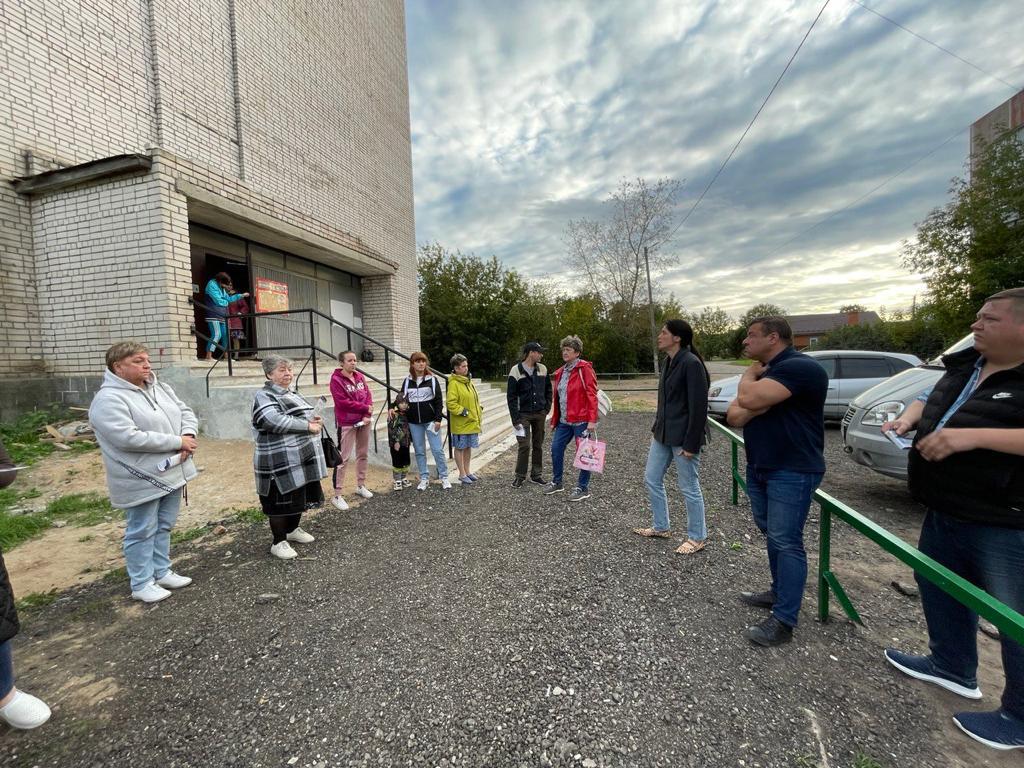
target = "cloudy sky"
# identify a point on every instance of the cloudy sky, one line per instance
(526, 114)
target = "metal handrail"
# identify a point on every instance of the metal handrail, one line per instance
(1009, 622)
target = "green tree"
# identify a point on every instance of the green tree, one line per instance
(466, 305)
(758, 310)
(852, 308)
(974, 246)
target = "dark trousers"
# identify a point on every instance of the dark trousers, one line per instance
(992, 559)
(533, 423)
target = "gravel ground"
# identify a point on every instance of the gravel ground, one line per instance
(495, 627)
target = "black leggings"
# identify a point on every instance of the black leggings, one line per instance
(282, 525)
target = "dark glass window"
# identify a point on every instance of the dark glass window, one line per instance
(865, 368)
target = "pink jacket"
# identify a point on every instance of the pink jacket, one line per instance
(352, 399)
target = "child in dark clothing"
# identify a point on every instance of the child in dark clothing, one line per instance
(398, 442)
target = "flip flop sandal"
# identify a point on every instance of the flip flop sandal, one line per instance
(652, 533)
(690, 547)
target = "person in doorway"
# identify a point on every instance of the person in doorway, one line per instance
(18, 709)
(574, 414)
(288, 459)
(237, 324)
(353, 414)
(398, 441)
(966, 467)
(466, 414)
(219, 295)
(780, 403)
(147, 436)
(426, 413)
(529, 400)
(679, 433)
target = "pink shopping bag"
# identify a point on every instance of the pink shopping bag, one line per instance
(589, 455)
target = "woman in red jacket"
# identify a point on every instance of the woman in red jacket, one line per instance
(574, 414)
(353, 414)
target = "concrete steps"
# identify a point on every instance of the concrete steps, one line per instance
(225, 413)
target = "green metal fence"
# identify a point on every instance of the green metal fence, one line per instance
(1009, 622)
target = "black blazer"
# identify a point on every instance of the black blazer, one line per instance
(682, 415)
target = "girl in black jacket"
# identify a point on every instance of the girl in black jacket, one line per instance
(426, 414)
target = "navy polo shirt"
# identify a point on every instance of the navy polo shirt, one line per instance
(791, 434)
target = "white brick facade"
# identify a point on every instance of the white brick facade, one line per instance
(289, 113)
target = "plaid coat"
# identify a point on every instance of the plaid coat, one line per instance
(286, 452)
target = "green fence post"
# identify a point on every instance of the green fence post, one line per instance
(824, 561)
(735, 472)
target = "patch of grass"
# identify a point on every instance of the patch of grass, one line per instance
(117, 574)
(741, 361)
(81, 509)
(629, 404)
(189, 534)
(14, 529)
(862, 760)
(36, 601)
(86, 539)
(21, 437)
(12, 497)
(251, 515)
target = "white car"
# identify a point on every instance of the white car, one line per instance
(862, 424)
(850, 372)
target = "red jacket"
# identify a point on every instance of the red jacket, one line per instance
(580, 396)
(352, 399)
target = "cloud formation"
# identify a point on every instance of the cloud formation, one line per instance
(527, 114)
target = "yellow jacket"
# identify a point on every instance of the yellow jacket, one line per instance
(462, 396)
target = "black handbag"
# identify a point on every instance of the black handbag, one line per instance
(331, 453)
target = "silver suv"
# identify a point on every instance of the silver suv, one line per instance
(862, 433)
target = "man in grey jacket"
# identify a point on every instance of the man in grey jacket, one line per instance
(147, 437)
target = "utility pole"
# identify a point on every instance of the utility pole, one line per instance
(650, 309)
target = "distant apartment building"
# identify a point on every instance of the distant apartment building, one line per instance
(146, 146)
(1008, 117)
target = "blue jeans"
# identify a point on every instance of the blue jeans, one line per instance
(218, 335)
(418, 432)
(780, 500)
(992, 559)
(659, 458)
(6, 668)
(563, 434)
(147, 538)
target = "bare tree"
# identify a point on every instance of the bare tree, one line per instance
(610, 252)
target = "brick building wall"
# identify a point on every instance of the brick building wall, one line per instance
(297, 109)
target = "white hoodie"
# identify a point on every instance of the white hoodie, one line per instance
(137, 428)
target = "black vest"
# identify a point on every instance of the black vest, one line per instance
(981, 486)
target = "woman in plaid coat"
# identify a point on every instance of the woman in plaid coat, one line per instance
(288, 461)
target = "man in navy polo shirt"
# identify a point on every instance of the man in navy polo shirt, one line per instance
(780, 404)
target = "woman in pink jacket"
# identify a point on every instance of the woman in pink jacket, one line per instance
(353, 413)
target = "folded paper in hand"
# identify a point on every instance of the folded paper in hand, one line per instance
(173, 461)
(898, 440)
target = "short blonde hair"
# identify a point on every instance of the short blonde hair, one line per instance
(118, 352)
(573, 342)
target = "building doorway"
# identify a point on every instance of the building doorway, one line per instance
(206, 264)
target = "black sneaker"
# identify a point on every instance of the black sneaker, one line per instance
(769, 632)
(538, 480)
(922, 668)
(553, 487)
(764, 599)
(518, 482)
(998, 729)
(579, 494)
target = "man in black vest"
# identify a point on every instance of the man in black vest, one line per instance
(967, 466)
(529, 400)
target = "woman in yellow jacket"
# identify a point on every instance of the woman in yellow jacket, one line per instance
(466, 416)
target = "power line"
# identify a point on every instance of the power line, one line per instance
(867, 194)
(751, 123)
(936, 45)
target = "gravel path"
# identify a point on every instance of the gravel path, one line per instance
(492, 627)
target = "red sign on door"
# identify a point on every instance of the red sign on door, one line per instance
(271, 296)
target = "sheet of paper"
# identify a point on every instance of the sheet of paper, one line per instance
(900, 442)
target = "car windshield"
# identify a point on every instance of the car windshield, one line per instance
(964, 343)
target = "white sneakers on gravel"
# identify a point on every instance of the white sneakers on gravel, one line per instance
(340, 503)
(301, 537)
(151, 593)
(422, 486)
(24, 711)
(446, 483)
(365, 492)
(283, 550)
(172, 580)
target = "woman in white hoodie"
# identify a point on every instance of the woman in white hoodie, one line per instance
(147, 437)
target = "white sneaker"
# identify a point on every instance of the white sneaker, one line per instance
(172, 580)
(406, 482)
(340, 503)
(24, 711)
(397, 485)
(365, 492)
(422, 485)
(301, 536)
(283, 550)
(151, 593)
(446, 483)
